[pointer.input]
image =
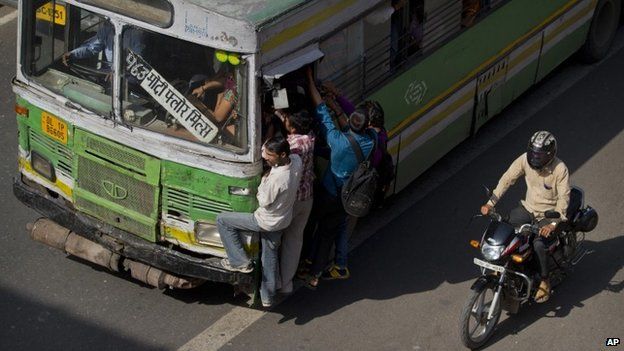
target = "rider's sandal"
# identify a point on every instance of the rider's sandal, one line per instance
(542, 295)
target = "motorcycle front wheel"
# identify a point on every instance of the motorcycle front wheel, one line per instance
(475, 328)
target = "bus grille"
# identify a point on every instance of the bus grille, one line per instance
(184, 202)
(62, 153)
(110, 152)
(114, 186)
(119, 220)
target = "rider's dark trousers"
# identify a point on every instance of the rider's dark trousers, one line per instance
(519, 216)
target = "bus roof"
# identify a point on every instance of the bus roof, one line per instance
(272, 28)
(255, 12)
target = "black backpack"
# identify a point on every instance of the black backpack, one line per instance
(358, 192)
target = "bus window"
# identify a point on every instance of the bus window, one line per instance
(361, 57)
(343, 53)
(184, 90)
(442, 19)
(70, 52)
(414, 32)
(381, 31)
(470, 10)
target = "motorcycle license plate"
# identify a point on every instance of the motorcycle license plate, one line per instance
(488, 265)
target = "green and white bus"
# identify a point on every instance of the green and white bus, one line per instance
(129, 164)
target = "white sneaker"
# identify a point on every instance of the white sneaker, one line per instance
(225, 263)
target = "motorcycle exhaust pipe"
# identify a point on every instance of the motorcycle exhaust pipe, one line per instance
(59, 237)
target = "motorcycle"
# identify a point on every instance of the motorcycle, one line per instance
(510, 271)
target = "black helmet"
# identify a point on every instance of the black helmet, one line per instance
(542, 149)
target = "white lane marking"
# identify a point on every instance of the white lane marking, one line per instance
(223, 330)
(8, 18)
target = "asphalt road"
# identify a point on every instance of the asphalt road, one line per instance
(409, 279)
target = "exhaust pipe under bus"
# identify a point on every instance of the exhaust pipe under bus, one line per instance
(48, 232)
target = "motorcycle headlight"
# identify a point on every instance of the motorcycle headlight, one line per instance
(208, 234)
(492, 252)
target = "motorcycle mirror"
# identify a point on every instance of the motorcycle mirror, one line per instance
(552, 214)
(488, 192)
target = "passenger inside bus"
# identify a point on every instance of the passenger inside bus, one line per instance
(271, 123)
(406, 27)
(223, 87)
(470, 10)
(101, 48)
(415, 30)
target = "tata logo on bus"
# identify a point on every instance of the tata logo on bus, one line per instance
(415, 93)
(113, 190)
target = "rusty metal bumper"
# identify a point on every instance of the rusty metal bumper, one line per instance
(125, 243)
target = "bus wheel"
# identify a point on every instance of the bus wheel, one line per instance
(601, 31)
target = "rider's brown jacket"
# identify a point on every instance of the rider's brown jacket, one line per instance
(547, 189)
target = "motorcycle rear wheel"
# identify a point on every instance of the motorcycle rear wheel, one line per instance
(475, 328)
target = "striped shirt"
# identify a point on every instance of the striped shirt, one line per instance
(303, 145)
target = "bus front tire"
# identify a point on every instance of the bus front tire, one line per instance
(601, 31)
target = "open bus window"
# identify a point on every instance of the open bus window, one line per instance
(184, 90)
(70, 51)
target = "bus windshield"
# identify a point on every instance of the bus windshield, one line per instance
(167, 85)
(75, 63)
(184, 89)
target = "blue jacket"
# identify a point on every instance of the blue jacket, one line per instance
(343, 160)
(103, 41)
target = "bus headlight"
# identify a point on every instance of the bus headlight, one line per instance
(206, 233)
(492, 252)
(235, 190)
(42, 166)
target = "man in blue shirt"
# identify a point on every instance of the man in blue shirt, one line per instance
(104, 42)
(343, 162)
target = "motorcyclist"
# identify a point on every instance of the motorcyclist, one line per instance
(548, 188)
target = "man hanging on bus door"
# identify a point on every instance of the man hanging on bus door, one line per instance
(276, 196)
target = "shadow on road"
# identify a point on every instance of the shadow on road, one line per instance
(31, 325)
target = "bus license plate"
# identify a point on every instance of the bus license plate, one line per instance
(488, 265)
(46, 13)
(54, 127)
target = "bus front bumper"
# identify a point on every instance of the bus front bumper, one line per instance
(126, 244)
